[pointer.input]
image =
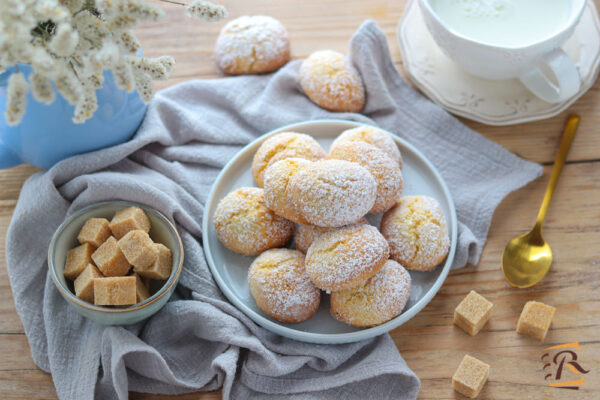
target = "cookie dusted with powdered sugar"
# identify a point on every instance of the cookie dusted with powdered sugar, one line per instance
(278, 196)
(330, 81)
(245, 225)
(371, 135)
(333, 193)
(281, 146)
(417, 232)
(346, 257)
(306, 234)
(377, 300)
(386, 171)
(252, 45)
(281, 288)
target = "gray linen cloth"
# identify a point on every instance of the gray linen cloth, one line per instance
(199, 341)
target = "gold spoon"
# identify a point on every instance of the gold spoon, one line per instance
(527, 258)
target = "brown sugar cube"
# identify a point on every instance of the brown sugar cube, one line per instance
(535, 319)
(161, 269)
(138, 249)
(95, 231)
(470, 376)
(84, 284)
(472, 313)
(110, 260)
(142, 291)
(115, 291)
(129, 219)
(77, 259)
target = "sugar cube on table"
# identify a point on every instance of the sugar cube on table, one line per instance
(472, 313)
(161, 268)
(110, 260)
(142, 290)
(77, 259)
(535, 319)
(84, 284)
(470, 376)
(95, 231)
(129, 219)
(138, 248)
(115, 291)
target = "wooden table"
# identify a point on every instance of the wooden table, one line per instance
(431, 345)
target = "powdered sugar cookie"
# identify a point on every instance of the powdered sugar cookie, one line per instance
(329, 80)
(278, 196)
(281, 288)
(377, 300)
(245, 225)
(281, 146)
(371, 135)
(252, 45)
(333, 193)
(386, 171)
(417, 232)
(346, 257)
(306, 234)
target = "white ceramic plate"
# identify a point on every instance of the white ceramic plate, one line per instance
(230, 269)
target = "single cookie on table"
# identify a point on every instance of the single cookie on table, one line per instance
(377, 300)
(281, 146)
(329, 80)
(278, 196)
(371, 135)
(281, 288)
(306, 234)
(346, 257)
(332, 193)
(387, 172)
(252, 45)
(417, 232)
(245, 225)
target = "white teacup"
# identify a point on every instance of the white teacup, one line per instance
(537, 60)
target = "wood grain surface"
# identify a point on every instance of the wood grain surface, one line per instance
(431, 345)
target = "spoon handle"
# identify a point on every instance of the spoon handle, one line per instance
(561, 157)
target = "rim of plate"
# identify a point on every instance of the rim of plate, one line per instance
(328, 338)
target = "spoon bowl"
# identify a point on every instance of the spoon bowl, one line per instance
(526, 259)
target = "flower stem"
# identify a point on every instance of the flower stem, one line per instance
(173, 2)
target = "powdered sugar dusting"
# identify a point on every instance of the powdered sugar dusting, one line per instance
(329, 79)
(245, 225)
(376, 301)
(280, 286)
(306, 234)
(278, 196)
(386, 171)
(417, 232)
(371, 135)
(281, 146)
(252, 44)
(346, 257)
(333, 192)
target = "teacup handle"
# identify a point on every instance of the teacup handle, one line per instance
(565, 73)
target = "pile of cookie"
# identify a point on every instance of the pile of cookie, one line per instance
(324, 198)
(260, 44)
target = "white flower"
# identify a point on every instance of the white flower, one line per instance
(90, 27)
(73, 5)
(123, 76)
(109, 53)
(16, 98)
(86, 106)
(68, 86)
(129, 42)
(41, 88)
(205, 11)
(64, 41)
(157, 68)
(144, 86)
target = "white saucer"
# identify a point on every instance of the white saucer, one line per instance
(491, 102)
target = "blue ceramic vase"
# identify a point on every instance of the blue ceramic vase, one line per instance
(47, 133)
